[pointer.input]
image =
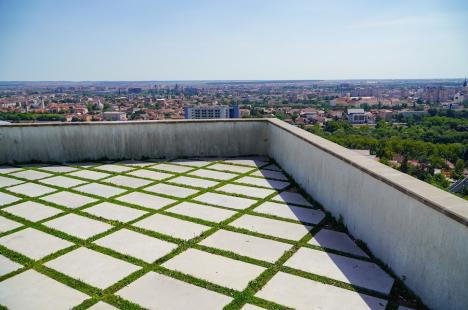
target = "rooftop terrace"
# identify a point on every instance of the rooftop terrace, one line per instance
(220, 231)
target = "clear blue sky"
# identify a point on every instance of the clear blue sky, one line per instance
(241, 39)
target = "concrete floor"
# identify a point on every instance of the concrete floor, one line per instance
(189, 234)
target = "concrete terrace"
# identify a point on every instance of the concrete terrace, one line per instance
(235, 233)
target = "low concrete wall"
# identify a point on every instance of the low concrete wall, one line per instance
(419, 231)
(130, 140)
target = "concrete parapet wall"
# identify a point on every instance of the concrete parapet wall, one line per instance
(418, 230)
(130, 140)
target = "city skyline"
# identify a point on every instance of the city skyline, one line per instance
(207, 40)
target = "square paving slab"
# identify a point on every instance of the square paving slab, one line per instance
(353, 271)
(135, 163)
(31, 189)
(247, 162)
(171, 190)
(156, 291)
(33, 243)
(305, 294)
(31, 174)
(78, 226)
(146, 200)
(293, 198)
(301, 214)
(203, 212)
(91, 267)
(270, 174)
(59, 169)
(7, 198)
(8, 169)
(337, 241)
(62, 181)
(127, 181)
(32, 211)
(231, 168)
(191, 163)
(171, 226)
(31, 290)
(69, 200)
(100, 190)
(4, 181)
(115, 212)
(217, 269)
(195, 182)
(114, 168)
(172, 168)
(7, 225)
(271, 227)
(7, 266)
(246, 190)
(149, 174)
(217, 175)
(272, 167)
(255, 247)
(137, 245)
(102, 306)
(263, 182)
(225, 201)
(90, 175)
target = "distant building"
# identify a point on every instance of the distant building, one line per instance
(212, 112)
(115, 116)
(357, 116)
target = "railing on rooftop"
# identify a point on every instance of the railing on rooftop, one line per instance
(419, 231)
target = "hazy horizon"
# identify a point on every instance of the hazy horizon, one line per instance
(259, 40)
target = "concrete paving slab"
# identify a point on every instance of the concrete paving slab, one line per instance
(31, 189)
(31, 290)
(86, 164)
(263, 182)
(62, 181)
(33, 243)
(31, 174)
(270, 174)
(304, 294)
(90, 175)
(113, 168)
(171, 190)
(203, 212)
(246, 190)
(335, 240)
(353, 271)
(78, 226)
(225, 201)
(102, 306)
(148, 174)
(156, 291)
(135, 163)
(172, 168)
(251, 307)
(301, 214)
(271, 227)
(92, 267)
(171, 226)
(7, 266)
(58, 168)
(9, 169)
(272, 167)
(7, 198)
(255, 247)
(137, 245)
(146, 200)
(127, 181)
(101, 190)
(4, 181)
(69, 200)
(217, 175)
(247, 162)
(293, 198)
(32, 211)
(191, 163)
(231, 168)
(201, 183)
(7, 225)
(115, 212)
(217, 269)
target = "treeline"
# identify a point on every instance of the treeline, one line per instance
(18, 117)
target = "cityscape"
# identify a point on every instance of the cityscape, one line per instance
(235, 155)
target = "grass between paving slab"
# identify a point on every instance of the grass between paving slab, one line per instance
(240, 298)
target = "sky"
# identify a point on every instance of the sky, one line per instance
(124, 40)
